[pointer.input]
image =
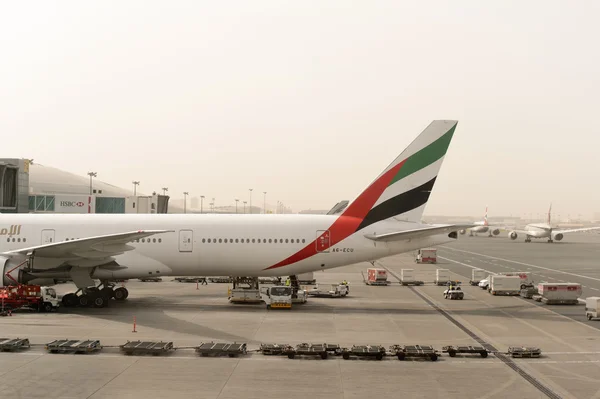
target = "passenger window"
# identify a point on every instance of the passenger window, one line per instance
(154, 240)
(303, 241)
(286, 240)
(18, 240)
(236, 240)
(203, 240)
(160, 240)
(270, 241)
(209, 240)
(24, 239)
(297, 241)
(220, 240)
(253, 241)
(143, 240)
(8, 240)
(264, 240)
(247, 240)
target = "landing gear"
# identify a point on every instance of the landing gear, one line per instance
(550, 240)
(98, 297)
(527, 239)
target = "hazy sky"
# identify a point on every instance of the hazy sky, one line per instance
(309, 100)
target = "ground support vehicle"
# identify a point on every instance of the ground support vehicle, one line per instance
(477, 275)
(528, 293)
(592, 307)
(305, 349)
(147, 347)
(376, 351)
(415, 351)
(151, 279)
(220, 279)
(34, 297)
(454, 350)
(560, 293)
(331, 291)
(13, 344)
(523, 351)
(454, 293)
(219, 349)
(273, 349)
(376, 277)
(73, 346)
(426, 255)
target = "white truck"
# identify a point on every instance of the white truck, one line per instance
(477, 275)
(505, 285)
(331, 290)
(426, 255)
(526, 280)
(592, 307)
(277, 296)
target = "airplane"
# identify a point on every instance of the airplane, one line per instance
(482, 226)
(383, 220)
(545, 230)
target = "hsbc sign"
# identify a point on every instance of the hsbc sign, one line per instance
(74, 204)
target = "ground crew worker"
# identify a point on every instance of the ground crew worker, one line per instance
(288, 282)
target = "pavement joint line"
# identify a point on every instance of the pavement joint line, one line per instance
(543, 388)
(521, 263)
(112, 379)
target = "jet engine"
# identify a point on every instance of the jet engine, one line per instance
(496, 232)
(513, 235)
(557, 236)
(463, 231)
(15, 268)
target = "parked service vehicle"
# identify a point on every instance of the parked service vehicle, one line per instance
(592, 307)
(153, 279)
(331, 290)
(426, 255)
(377, 277)
(485, 283)
(41, 299)
(505, 285)
(559, 293)
(477, 275)
(277, 296)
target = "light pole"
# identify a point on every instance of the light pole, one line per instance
(245, 206)
(213, 205)
(135, 184)
(185, 194)
(165, 189)
(265, 202)
(250, 200)
(212, 208)
(91, 175)
(201, 202)
(236, 204)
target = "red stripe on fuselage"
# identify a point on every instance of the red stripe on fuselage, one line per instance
(348, 222)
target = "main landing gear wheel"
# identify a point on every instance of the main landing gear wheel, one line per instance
(84, 301)
(69, 300)
(550, 240)
(107, 292)
(120, 294)
(100, 301)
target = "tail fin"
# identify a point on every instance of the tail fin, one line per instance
(550, 214)
(402, 190)
(485, 220)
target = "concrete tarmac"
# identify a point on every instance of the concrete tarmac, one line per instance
(389, 315)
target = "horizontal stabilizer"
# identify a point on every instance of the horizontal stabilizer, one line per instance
(417, 233)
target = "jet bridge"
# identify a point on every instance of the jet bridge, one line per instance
(14, 185)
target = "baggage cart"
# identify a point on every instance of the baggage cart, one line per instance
(376, 277)
(524, 351)
(477, 275)
(273, 349)
(220, 348)
(407, 277)
(373, 351)
(414, 351)
(147, 347)
(220, 279)
(305, 349)
(13, 344)
(73, 346)
(442, 276)
(592, 307)
(454, 350)
(528, 293)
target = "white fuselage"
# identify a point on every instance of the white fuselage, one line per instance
(538, 230)
(206, 244)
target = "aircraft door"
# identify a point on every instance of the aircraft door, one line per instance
(186, 240)
(47, 237)
(323, 240)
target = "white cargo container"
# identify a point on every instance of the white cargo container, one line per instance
(505, 285)
(592, 307)
(426, 255)
(407, 275)
(477, 275)
(559, 293)
(526, 280)
(442, 276)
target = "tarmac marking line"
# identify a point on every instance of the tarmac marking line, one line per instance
(522, 263)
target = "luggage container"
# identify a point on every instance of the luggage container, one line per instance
(454, 350)
(477, 275)
(559, 293)
(376, 277)
(524, 351)
(273, 349)
(13, 344)
(376, 351)
(407, 277)
(147, 347)
(423, 351)
(442, 276)
(426, 255)
(219, 349)
(592, 307)
(73, 346)
(305, 349)
(505, 285)
(526, 279)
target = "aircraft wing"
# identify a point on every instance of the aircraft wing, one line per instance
(89, 248)
(575, 230)
(417, 233)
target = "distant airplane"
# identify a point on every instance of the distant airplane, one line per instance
(545, 230)
(482, 226)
